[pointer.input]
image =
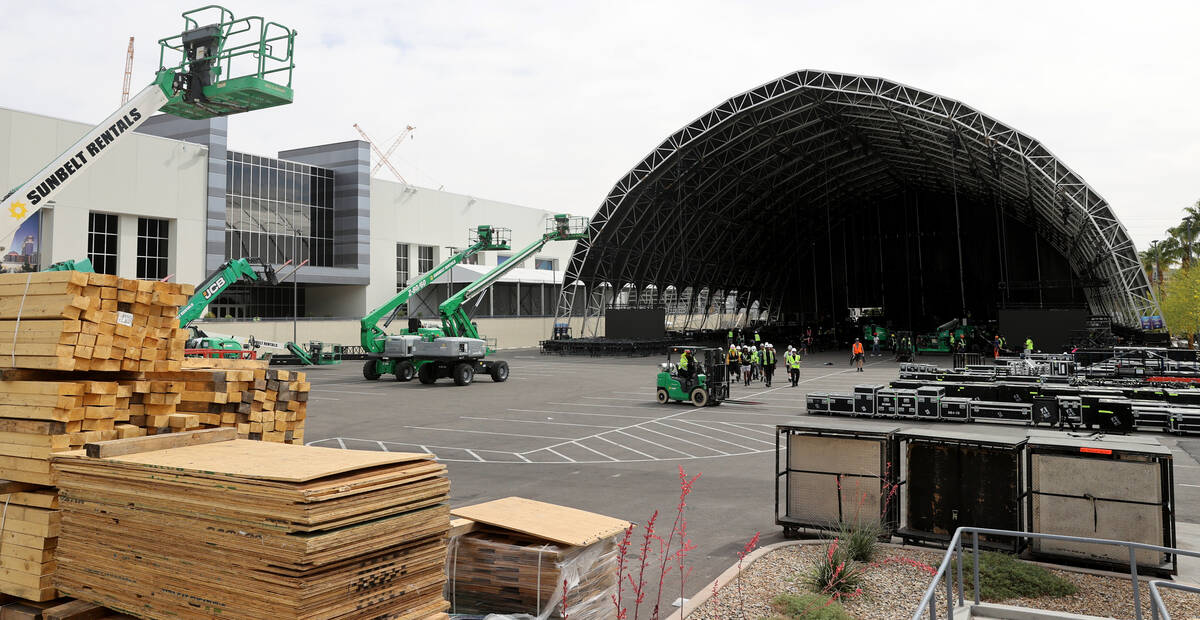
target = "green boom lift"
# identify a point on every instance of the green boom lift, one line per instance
(218, 65)
(391, 355)
(460, 353)
(230, 272)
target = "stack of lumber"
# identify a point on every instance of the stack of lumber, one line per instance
(249, 529)
(68, 320)
(32, 523)
(511, 556)
(260, 402)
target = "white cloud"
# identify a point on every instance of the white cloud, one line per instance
(547, 104)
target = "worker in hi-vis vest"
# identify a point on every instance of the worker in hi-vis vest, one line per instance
(857, 354)
(1028, 346)
(792, 359)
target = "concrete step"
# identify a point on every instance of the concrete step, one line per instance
(1009, 612)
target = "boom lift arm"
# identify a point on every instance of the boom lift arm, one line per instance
(456, 322)
(198, 82)
(483, 238)
(224, 277)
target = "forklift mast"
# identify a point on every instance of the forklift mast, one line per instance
(483, 238)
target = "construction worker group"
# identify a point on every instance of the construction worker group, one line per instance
(749, 363)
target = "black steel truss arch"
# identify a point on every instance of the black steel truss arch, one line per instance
(755, 200)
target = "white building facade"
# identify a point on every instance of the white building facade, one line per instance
(175, 201)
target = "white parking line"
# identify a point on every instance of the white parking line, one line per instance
(648, 429)
(744, 429)
(724, 431)
(602, 438)
(654, 443)
(536, 422)
(463, 430)
(563, 456)
(605, 415)
(590, 449)
(684, 430)
(473, 454)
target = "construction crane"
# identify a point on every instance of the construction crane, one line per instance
(128, 73)
(392, 149)
(383, 157)
(195, 80)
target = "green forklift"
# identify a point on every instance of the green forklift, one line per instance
(707, 387)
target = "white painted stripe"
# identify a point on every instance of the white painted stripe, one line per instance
(603, 415)
(718, 430)
(461, 430)
(649, 456)
(684, 430)
(473, 454)
(382, 446)
(647, 428)
(653, 443)
(341, 443)
(536, 422)
(563, 456)
(752, 430)
(592, 450)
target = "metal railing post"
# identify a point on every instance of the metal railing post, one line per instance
(950, 594)
(975, 556)
(1137, 595)
(960, 577)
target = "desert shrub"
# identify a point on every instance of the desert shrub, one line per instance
(835, 572)
(808, 607)
(1003, 577)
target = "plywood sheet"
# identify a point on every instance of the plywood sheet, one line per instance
(568, 526)
(266, 461)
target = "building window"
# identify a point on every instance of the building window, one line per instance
(424, 258)
(278, 210)
(545, 264)
(102, 242)
(253, 300)
(470, 260)
(401, 266)
(502, 258)
(153, 238)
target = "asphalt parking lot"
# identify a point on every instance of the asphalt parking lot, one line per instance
(587, 433)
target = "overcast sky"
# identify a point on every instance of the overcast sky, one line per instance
(547, 104)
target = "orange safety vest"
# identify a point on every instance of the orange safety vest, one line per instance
(857, 349)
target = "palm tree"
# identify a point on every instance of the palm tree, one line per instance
(1155, 260)
(1186, 233)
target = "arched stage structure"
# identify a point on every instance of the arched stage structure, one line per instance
(819, 192)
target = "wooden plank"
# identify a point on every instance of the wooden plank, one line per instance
(561, 524)
(75, 610)
(136, 445)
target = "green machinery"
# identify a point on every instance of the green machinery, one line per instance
(230, 272)
(315, 354)
(218, 65)
(870, 330)
(946, 335)
(708, 387)
(461, 353)
(84, 265)
(393, 356)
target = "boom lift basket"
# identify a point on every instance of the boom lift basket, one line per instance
(230, 65)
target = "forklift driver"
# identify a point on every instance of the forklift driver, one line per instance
(687, 369)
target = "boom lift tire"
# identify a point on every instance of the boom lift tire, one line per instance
(500, 372)
(427, 374)
(370, 371)
(463, 373)
(405, 371)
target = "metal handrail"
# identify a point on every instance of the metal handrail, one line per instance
(954, 552)
(1159, 610)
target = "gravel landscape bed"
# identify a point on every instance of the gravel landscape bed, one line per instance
(894, 585)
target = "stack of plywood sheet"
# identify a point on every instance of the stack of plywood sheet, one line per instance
(250, 529)
(513, 555)
(68, 320)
